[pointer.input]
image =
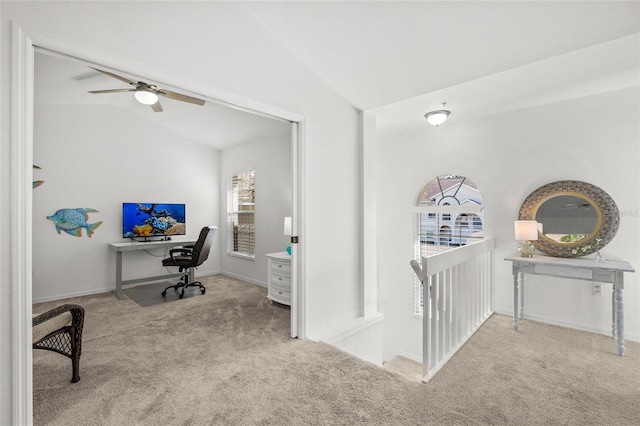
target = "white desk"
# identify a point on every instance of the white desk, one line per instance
(581, 268)
(119, 248)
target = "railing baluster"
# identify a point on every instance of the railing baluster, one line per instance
(457, 300)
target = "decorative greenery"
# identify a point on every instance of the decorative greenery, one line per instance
(589, 248)
(572, 238)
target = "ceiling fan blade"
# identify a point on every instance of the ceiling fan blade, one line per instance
(110, 74)
(179, 97)
(111, 91)
(157, 107)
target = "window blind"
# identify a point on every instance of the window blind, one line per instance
(241, 214)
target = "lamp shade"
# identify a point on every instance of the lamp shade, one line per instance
(146, 97)
(436, 118)
(526, 230)
(287, 226)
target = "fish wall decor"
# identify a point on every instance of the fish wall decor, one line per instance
(72, 221)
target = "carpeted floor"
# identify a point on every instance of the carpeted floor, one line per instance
(151, 294)
(225, 358)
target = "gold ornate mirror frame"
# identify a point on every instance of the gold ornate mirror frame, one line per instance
(608, 219)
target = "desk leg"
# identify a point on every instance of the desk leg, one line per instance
(119, 293)
(618, 287)
(515, 300)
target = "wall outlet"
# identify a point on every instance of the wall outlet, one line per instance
(596, 290)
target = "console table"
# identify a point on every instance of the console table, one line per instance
(586, 269)
(120, 248)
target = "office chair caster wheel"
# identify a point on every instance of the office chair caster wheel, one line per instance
(164, 293)
(202, 291)
(181, 295)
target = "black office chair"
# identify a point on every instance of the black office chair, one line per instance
(188, 258)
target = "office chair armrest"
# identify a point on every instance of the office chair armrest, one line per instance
(182, 252)
(185, 255)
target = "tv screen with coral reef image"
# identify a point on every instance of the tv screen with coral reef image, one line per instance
(148, 220)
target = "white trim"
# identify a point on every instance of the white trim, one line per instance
(605, 331)
(243, 278)
(295, 327)
(21, 211)
(21, 159)
(355, 326)
(241, 255)
(462, 208)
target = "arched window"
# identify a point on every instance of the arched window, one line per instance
(448, 214)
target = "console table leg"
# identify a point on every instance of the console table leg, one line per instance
(613, 312)
(521, 296)
(619, 298)
(515, 300)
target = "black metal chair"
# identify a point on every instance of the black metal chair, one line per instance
(60, 330)
(188, 258)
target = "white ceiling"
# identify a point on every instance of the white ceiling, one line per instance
(400, 59)
(378, 53)
(61, 80)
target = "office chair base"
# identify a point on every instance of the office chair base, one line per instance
(184, 286)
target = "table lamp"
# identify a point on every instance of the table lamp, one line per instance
(287, 231)
(526, 231)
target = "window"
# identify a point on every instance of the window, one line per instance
(448, 214)
(241, 206)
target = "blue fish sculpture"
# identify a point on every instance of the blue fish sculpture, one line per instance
(72, 221)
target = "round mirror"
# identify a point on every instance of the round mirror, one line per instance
(576, 218)
(568, 218)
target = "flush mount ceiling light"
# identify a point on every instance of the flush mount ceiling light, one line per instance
(438, 117)
(146, 96)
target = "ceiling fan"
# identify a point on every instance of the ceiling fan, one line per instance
(146, 93)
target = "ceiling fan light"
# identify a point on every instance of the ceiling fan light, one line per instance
(146, 97)
(438, 117)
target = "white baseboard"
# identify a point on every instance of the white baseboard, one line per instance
(243, 278)
(360, 337)
(604, 331)
(90, 292)
(344, 329)
(412, 357)
(62, 296)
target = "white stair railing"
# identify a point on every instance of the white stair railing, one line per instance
(457, 300)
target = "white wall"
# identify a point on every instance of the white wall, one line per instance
(592, 139)
(216, 49)
(271, 160)
(98, 157)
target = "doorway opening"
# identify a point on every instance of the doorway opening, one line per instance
(25, 46)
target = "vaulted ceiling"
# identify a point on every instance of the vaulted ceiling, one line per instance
(400, 59)
(377, 53)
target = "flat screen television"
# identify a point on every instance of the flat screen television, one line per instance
(150, 220)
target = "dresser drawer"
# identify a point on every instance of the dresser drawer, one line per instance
(279, 294)
(280, 267)
(281, 279)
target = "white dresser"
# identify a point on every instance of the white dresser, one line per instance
(279, 278)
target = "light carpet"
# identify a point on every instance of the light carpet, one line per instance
(225, 358)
